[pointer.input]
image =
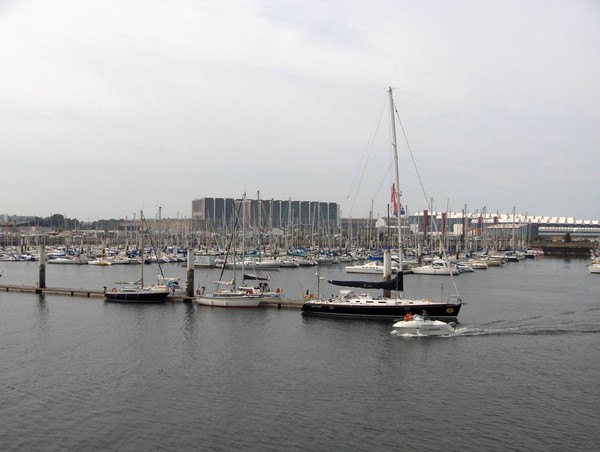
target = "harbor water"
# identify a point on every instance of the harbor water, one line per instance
(521, 372)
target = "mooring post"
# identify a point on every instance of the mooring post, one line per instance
(387, 270)
(189, 288)
(42, 281)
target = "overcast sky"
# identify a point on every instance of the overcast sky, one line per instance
(110, 107)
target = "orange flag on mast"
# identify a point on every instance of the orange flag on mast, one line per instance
(394, 199)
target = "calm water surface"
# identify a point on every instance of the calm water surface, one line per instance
(521, 373)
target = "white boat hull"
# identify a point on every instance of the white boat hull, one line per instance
(423, 327)
(370, 268)
(363, 269)
(65, 261)
(478, 265)
(433, 270)
(228, 300)
(99, 262)
(262, 265)
(594, 268)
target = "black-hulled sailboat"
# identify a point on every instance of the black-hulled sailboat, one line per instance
(137, 292)
(348, 303)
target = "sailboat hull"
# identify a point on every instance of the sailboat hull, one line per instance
(138, 295)
(437, 311)
(229, 300)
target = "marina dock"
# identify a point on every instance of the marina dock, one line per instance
(98, 293)
(87, 293)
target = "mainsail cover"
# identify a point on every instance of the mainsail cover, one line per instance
(256, 277)
(397, 283)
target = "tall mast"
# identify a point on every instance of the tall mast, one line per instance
(243, 240)
(142, 246)
(396, 176)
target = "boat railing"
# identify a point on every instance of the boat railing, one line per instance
(455, 299)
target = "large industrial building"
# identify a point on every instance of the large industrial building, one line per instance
(219, 214)
(505, 225)
(323, 218)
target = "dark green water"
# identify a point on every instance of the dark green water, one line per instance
(521, 373)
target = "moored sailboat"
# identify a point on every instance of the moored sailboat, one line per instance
(229, 298)
(436, 268)
(260, 287)
(137, 292)
(366, 305)
(233, 297)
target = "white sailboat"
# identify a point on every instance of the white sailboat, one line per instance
(437, 267)
(231, 297)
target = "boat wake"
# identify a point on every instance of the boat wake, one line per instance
(546, 329)
(529, 330)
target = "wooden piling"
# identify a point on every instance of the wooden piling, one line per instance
(42, 268)
(189, 288)
(387, 270)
